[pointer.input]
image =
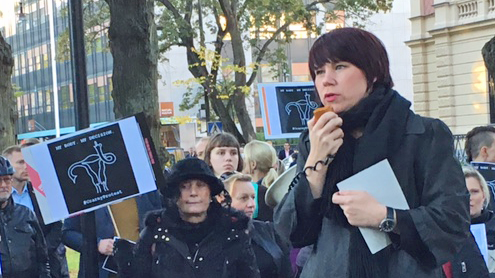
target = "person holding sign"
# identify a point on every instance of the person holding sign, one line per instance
(371, 122)
(22, 245)
(480, 151)
(193, 236)
(469, 261)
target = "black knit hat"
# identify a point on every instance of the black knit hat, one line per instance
(190, 169)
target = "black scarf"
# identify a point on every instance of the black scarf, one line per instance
(381, 116)
(192, 233)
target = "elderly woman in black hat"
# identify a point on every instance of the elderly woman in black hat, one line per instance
(193, 236)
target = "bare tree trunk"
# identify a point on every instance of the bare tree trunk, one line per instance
(7, 116)
(133, 43)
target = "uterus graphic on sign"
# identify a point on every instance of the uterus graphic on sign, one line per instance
(295, 107)
(95, 166)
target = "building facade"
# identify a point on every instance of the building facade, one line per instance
(25, 26)
(450, 80)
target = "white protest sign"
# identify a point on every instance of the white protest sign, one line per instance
(91, 168)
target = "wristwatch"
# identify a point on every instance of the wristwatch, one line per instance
(388, 224)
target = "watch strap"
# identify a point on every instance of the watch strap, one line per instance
(390, 213)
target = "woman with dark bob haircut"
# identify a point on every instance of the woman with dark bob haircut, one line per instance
(223, 154)
(371, 122)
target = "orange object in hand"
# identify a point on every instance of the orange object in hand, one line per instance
(320, 111)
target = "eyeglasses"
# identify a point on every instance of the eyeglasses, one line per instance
(225, 176)
(6, 179)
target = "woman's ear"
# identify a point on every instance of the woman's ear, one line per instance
(252, 166)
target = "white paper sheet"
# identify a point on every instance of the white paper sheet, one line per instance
(380, 182)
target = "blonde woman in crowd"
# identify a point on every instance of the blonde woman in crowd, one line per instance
(469, 262)
(272, 253)
(259, 161)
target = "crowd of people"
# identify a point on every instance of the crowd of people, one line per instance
(211, 219)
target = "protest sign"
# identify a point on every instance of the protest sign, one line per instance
(91, 168)
(487, 170)
(286, 108)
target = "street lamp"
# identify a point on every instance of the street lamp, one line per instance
(22, 15)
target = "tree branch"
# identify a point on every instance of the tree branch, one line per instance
(192, 57)
(226, 11)
(218, 46)
(217, 19)
(282, 28)
(263, 50)
(188, 15)
(175, 13)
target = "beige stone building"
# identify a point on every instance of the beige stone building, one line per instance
(450, 81)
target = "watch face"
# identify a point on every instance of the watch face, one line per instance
(387, 225)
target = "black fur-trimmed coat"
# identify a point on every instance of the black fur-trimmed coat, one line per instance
(226, 252)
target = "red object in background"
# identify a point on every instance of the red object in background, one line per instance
(447, 270)
(35, 180)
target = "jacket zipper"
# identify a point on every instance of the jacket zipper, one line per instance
(195, 255)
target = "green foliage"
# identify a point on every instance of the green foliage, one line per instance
(206, 27)
(261, 22)
(18, 92)
(96, 22)
(191, 97)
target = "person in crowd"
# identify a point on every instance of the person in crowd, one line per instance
(286, 152)
(201, 146)
(241, 150)
(193, 236)
(222, 154)
(29, 142)
(479, 144)
(23, 194)
(480, 147)
(272, 252)
(22, 245)
(192, 153)
(469, 262)
(260, 159)
(294, 159)
(280, 167)
(73, 237)
(371, 122)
